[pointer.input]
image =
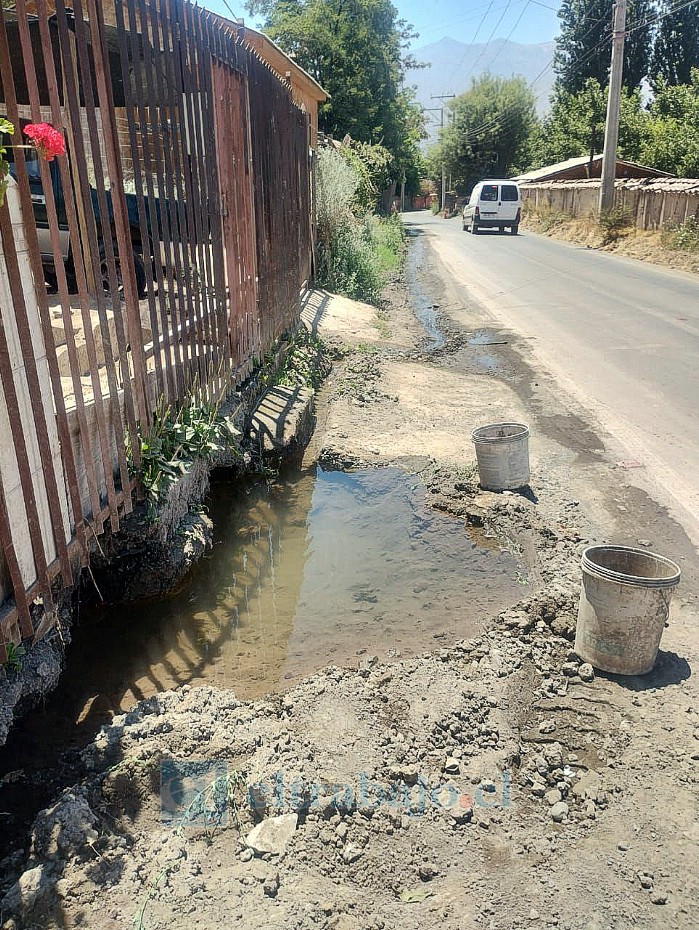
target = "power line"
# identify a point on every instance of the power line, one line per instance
(473, 14)
(545, 5)
(502, 119)
(230, 10)
(509, 34)
(656, 19)
(497, 26)
(478, 29)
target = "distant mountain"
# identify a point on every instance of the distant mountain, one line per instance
(454, 64)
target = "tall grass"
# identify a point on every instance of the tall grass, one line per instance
(357, 253)
(685, 237)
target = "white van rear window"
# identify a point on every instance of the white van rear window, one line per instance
(510, 192)
(489, 192)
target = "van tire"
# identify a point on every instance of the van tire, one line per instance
(139, 272)
(474, 228)
(514, 230)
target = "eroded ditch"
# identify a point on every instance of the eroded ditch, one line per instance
(312, 568)
(425, 310)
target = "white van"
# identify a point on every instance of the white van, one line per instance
(493, 204)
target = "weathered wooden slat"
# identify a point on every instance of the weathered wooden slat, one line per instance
(140, 199)
(121, 219)
(185, 207)
(197, 193)
(132, 388)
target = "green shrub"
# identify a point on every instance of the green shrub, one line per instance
(350, 266)
(685, 237)
(613, 222)
(388, 236)
(356, 254)
(545, 217)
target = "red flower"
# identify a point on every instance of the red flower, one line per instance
(47, 140)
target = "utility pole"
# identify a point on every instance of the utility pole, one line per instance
(611, 132)
(441, 124)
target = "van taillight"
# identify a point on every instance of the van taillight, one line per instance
(519, 213)
(478, 212)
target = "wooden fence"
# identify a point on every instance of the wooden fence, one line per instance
(651, 204)
(162, 256)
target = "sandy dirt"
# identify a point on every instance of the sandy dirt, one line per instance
(492, 783)
(642, 244)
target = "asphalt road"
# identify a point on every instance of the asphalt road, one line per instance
(621, 336)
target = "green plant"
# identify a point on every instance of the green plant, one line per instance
(613, 222)
(15, 654)
(139, 916)
(208, 805)
(388, 235)
(545, 217)
(381, 324)
(685, 237)
(175, 440)
(301, 361)
(356, 254)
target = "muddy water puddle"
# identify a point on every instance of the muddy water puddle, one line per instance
(313, 569)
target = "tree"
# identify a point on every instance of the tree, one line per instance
(488, 133)
(676, 48)
(583, 46)
(575, 125)
(356, 49)
(671, 142)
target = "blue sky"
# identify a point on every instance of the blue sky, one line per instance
(465, 20)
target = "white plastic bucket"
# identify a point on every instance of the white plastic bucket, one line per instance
(624, 604)
(502, 452)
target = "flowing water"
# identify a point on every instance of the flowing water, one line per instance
(423, 308)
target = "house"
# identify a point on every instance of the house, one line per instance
(583, 167)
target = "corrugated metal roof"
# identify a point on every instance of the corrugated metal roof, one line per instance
(540, 174)
(668, 185)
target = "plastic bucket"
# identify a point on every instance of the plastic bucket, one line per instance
(502, 452)
(624, 603)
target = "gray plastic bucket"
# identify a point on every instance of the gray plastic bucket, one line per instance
(624, 604)
(502, 452)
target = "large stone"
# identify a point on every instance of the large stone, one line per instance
(64, 360)
(559, 812)
(31, 890)
(272, 835)
(587, 786)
